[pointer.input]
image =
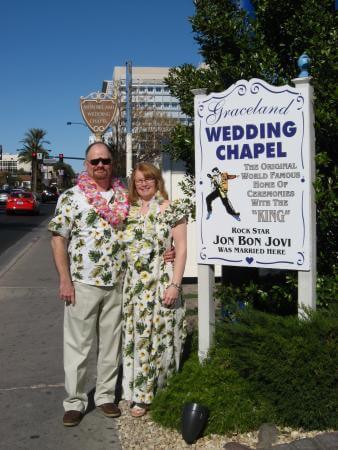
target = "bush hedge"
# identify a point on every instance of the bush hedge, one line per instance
(233, 404)
(276, 293)
(291, 362)
(262, 368)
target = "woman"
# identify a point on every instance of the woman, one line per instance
(153, 309)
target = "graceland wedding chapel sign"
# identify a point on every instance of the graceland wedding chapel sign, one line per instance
(98, 110)
(252, 177)
(254, 153)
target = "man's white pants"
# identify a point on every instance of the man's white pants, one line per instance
(96, 310)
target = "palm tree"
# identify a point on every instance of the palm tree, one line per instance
(33, 142)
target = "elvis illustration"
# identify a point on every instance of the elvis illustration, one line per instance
(219, 181)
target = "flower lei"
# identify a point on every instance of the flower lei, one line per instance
(115, 213)
(157, 199)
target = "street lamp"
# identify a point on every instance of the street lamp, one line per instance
(84, 125)
(77, 123)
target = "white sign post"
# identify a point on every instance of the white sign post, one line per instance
(254, 176)
(206, 282)
(206, 309)
(307, 279)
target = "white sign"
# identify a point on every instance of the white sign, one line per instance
(253, 177)
(50, 161)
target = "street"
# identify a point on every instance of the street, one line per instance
(13, 228)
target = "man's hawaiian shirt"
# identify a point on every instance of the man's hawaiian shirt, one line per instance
(95, 248)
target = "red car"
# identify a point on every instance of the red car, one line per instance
(22, 201)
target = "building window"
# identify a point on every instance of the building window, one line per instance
(158, 89)
(8, 166)
(150, 89)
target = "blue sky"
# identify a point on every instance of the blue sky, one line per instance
(54, 52)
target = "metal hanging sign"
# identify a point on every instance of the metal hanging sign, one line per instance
(98, 110)
(253, 176)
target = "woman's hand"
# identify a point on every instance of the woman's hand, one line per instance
(170, 296)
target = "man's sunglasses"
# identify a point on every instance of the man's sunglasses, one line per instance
(96, 161)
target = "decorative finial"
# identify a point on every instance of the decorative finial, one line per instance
(200, 91)
(304, 65)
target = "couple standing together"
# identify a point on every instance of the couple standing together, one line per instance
(117, 279)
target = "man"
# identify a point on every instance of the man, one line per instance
(87, 253)
(220, 183)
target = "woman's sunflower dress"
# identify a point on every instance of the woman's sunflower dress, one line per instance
(153, 334)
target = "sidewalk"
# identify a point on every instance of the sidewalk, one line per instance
(31, 377)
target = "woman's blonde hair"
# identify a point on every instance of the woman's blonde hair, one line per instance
(150, 172)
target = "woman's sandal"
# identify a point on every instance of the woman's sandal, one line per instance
(138, 410)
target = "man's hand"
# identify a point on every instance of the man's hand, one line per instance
(66, 288)
(67, 292)
(169, 255)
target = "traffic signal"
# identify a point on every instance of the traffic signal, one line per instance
(34, 155)
(60, 157)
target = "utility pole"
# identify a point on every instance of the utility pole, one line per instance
(34, 171)
(129, 144)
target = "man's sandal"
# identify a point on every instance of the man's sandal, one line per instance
(137, 410)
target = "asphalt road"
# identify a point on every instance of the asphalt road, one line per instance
(13, 228)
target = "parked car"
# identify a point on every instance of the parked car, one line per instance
(20, 201)
(4, 193)
(49, 195)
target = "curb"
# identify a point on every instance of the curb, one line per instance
(16, 252)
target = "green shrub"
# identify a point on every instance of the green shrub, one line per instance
(233, 404)
(291, 362)
(262, 368)
(276, 293)
(327, 289)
